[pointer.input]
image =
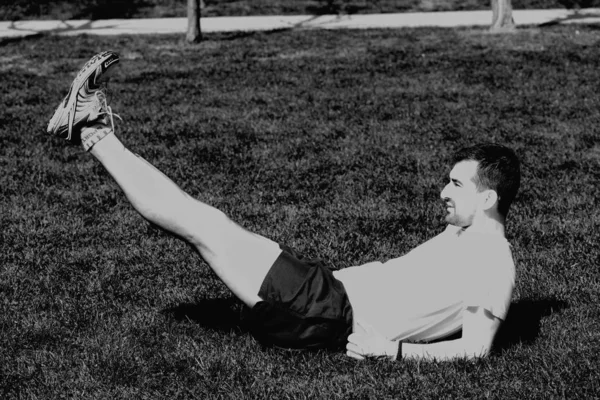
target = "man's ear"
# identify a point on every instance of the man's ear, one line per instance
(490, 198)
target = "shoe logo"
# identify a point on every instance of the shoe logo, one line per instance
(108, 63)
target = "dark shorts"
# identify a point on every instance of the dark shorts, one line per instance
(303, 307)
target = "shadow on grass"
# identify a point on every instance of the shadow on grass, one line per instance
(325, 7)
(225, 314)
(522, 323)
(88, 9)
(110, 9)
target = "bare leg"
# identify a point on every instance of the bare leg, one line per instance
(240, 258)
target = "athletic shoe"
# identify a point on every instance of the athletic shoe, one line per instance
(85, 102)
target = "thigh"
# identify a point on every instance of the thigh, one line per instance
(241, 259)
(304, 306)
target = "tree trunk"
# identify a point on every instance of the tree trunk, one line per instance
(193, 33)
(502, 20)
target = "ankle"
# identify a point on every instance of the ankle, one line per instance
(93, 134)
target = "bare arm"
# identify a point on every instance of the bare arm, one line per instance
(479, 329)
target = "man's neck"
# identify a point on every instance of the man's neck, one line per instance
(487, 225)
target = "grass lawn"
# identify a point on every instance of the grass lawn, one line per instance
(102, 9)
(334, 142)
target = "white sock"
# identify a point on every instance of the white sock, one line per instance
(93, 134)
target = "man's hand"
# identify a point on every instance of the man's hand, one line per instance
(366, 342)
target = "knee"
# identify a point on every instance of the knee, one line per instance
(207, 226)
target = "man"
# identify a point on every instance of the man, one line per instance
(407, 307)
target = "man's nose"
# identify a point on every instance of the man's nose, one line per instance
(444, 193)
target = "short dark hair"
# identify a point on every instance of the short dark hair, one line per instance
(499, 169)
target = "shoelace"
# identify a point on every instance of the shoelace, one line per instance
(105, 108)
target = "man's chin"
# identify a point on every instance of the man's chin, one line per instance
(450, 220)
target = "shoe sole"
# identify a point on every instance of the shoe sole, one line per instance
(97, 68)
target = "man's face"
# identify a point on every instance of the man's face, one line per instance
(460, 195)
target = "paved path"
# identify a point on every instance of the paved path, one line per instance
(262, 23)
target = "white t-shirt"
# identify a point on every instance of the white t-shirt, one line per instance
(421, 296)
